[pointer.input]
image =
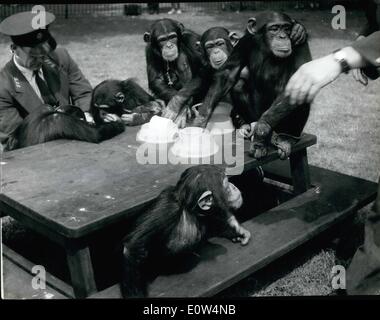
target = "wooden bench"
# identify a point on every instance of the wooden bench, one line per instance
(18, 276)
(221, 263)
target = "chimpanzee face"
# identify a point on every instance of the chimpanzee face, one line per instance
(275, 30)
(232, 195)
(217, 52)
(108, 97)
(216, 45)
(164, 36)
(108, 94)
(278, 38)
(168, 44)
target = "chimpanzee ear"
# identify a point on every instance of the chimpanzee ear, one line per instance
(198, 46)
(234, 38)
(251, 26)
(181, 27)
(119, 96)
(147, 36)
(206, 200)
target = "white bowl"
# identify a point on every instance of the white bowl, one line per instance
(158, 130)
(194, 142)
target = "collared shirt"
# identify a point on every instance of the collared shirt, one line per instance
(30, 77)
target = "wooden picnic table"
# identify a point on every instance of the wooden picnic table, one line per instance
(69, 190)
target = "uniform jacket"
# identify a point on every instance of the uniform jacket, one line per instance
(18, 99)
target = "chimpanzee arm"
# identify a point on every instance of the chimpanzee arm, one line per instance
(192, 88)
(281, 107)
(228, 227)
(142, 114)
(225, 78)
(135, 95)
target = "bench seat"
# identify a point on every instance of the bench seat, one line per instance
(333, 198)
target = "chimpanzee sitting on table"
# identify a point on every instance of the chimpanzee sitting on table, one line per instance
(272, 49)
(173, 66)
(115, 99)
(201, 204)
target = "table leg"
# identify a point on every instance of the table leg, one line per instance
(299, 168)
(80, 266)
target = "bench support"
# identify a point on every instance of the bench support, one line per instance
(299, 168)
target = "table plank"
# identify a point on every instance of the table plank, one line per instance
(75, 188)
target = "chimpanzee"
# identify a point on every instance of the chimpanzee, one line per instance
(173, 64)
(112, 99)
(216, 45)
(272, 58)
(202, 203)
(65, 122)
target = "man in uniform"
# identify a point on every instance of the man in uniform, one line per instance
(38, 73)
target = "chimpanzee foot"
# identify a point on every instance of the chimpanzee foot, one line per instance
(261, 137)
(258, 149)
(284, 144)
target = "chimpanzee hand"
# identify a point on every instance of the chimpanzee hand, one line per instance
(129, 118)
(241, 234)
(175, 104)
(298, 35)
(157, 106)
(246, 130)
(111, 117)
(181, 119)
(244, 236)
(262, 133)
(283, 143)
(89, 117)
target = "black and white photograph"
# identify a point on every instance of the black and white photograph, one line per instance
(189, 150)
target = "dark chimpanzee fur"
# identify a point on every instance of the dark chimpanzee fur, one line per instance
(201, 203)
(173, 65)
(66, 122)
(124, 97)
(272, 58)
(216, 45)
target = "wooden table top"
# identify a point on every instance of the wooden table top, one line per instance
(76, 187)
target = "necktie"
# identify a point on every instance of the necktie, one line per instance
(46, 94)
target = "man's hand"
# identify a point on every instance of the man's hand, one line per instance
(89, 117)
(298, 35)
(310, 78)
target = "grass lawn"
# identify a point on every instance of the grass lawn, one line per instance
(345, 116)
